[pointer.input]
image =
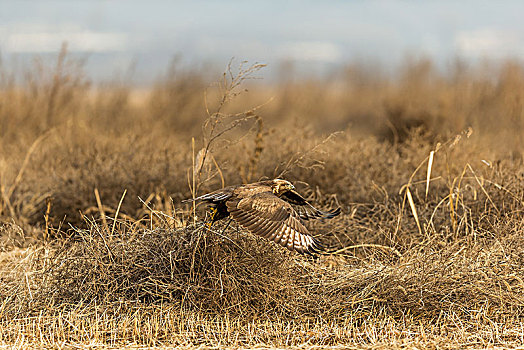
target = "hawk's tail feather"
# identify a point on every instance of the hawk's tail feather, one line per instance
(213, 196)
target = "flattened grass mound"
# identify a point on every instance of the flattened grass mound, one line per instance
(198, 269)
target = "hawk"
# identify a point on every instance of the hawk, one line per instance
(271, 209)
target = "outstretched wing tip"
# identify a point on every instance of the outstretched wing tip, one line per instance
(317, 247)
(306, 211)
(332, 213)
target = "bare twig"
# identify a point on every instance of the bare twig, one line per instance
(101, 210)
(117, 211)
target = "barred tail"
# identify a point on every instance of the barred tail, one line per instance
(211, 197)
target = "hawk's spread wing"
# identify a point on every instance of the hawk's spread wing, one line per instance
(305, 210)
(268, 216)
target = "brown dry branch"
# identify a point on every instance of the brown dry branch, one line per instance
(219, 123)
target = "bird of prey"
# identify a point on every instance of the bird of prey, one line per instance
(271, 209)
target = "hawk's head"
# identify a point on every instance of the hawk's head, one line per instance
(280, 186)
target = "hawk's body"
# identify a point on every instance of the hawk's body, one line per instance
(271, 209)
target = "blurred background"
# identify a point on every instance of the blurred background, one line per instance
(139, 39)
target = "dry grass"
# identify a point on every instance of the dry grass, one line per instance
(96, 249)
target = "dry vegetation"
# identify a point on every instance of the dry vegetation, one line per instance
(96, 249)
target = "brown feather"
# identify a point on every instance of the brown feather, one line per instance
(270, 209)
(266, 215)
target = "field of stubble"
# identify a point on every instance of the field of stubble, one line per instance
(96, 249)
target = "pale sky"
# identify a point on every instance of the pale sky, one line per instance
(316, 34)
